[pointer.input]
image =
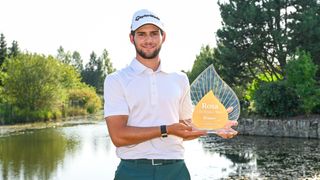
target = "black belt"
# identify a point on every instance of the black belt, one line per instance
(153, 162)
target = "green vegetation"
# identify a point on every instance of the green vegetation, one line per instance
(267, 51)
(35, 87)
(301, 76)
(275, 99)
(257, 55)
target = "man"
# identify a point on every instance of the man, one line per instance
(148, 110)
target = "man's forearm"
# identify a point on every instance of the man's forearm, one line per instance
(130, 135)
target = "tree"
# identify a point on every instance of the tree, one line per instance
(3, 49)
(33, 83)
(96, 69)
(107, 64)
(14, 49)
(76, 61)
(257, 35)
(89, 74)
(300, 76)
(306, 29)
(203, 60)
(63, 56)
(2, 76)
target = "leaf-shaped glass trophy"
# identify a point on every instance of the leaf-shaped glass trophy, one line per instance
(211, 98)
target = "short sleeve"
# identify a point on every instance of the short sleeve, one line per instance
(114, 98)
(186, 107)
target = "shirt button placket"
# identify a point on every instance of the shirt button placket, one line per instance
(153, 89)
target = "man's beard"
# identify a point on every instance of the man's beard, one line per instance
(154, 54)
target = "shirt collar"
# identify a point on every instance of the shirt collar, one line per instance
(138, 68)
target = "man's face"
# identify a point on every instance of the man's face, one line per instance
(147, 41)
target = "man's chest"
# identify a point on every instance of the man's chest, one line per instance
(153, 90)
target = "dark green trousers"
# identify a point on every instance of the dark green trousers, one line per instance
(137, 171)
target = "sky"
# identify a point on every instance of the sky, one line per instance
(41, 26)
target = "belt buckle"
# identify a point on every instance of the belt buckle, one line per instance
(154, 163)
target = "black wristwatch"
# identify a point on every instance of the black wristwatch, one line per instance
(163, 129)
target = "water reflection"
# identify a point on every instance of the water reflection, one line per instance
(74, 152)
(267, 157)
(34, 155)
(86, 152)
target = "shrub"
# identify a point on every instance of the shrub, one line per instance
(254, 85)
(300, 76)
(84, 97)
(275, 99)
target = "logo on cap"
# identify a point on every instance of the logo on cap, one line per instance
(147, 15)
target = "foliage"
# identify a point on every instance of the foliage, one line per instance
(69, 76)
(2, 76)
(83, 98)
(14, 49)
(74, 59)
(306, 29)
(254, 85)
(3, 49)
(300, 76)
(203, 60)
(33, 84)
(32, 81)
(259, 36)
(96, 69)
(37, 87)
(275, 99)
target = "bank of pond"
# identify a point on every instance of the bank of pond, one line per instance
(85, 151)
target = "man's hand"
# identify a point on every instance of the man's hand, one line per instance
(227, 132)
(185, 130)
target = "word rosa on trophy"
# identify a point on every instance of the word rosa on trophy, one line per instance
(215, 102)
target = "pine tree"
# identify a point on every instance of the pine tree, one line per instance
(14, 49)
(259, 36)
(3, 49)
(77, 61)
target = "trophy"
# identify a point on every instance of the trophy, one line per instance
(214, 102)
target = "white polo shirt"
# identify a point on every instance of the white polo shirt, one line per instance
(149, 98)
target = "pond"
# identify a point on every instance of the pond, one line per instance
(86, 152)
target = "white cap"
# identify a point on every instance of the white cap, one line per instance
(143, 17)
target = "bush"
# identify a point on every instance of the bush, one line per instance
(254, 85)
(84, 97)
(300, 76)
(275, 99)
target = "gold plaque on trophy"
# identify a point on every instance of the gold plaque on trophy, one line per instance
(209, 113)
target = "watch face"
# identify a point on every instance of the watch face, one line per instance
(163, 130)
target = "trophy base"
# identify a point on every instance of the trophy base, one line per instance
(221, 131)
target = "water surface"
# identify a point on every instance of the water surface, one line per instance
(86, 152)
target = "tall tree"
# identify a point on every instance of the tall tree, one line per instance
(90, 74)
(203, 60)
(76, 61)
(3, 49)
(306, 26)
(63, 56)
(254, 37)
(107, 64)
(96, 69)
(14, 49)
